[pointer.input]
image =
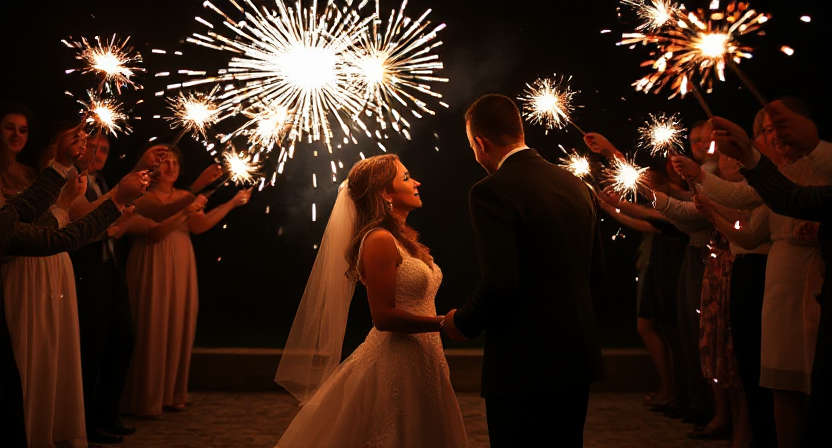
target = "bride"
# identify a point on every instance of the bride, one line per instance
(394, 390)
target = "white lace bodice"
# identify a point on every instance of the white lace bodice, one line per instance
(416, 285)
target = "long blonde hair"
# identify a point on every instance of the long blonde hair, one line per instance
(368, 179)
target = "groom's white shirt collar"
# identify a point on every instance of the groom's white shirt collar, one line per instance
(500, 163)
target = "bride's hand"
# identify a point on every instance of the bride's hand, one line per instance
(450, 328)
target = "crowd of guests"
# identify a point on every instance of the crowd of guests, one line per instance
(99, 285)
(731, 278)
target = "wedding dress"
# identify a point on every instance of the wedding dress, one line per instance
(394, 390)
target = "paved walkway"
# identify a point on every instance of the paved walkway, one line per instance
(256, 420)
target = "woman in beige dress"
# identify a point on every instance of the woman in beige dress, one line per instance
(162, 287)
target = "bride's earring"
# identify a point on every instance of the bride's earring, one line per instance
(390, 205)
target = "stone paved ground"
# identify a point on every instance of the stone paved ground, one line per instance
(256, 420)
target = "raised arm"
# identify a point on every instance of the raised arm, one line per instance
(379, 259)
(202, 222)
(787, 198)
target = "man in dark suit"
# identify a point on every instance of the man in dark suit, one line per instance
(104, 319)
(785, 197)
(536, 228)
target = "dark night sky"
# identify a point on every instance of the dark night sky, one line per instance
(248, 297)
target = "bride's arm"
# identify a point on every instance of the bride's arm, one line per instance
(379, 258)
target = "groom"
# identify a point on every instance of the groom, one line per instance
(540, 254)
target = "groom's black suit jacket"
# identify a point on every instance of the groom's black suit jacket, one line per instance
(537, 234)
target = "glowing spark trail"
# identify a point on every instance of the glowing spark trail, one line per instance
(696, 45)
(113, 61)
(662, 134)
(548, 101)
(104, 115)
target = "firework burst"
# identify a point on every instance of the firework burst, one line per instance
(697, 45)
(575, 164)
(662, 134)
(112, 60)
(548, 101)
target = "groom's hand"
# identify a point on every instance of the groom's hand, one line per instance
(450, 328)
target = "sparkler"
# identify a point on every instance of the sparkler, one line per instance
(393, 65)
(195, 112)
(240, 168)
(105, 115)
(626, 178)
(576, 164)
(695, 44)
(662, 134)
(293, 58)
(327, 69)
(548, 101)
(656, 13)
(112, 60)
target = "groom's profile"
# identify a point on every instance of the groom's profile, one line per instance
(536, 229)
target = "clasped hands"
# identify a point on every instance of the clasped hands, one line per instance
(450, 329)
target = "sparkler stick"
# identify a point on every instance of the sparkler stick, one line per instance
(747, 81)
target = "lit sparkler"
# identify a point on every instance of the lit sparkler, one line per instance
(548, 101)
(289, 57)
(655, 13)
(242, 168)
(695, 44)
(662, 134)
(195, 112)
(105, 115)
(394, 65)
(267, 125)
(576, 164)
(626, 178)
(112, 60)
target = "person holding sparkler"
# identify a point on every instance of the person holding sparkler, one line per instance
(539, 243)
(162, 287)
(784, 196)
(53, 402)
(792, 285)
(18, 237)
(393, 391)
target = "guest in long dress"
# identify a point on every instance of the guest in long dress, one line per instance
(41, 308)
(162, 287)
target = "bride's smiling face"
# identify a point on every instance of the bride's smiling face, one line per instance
(404, 191)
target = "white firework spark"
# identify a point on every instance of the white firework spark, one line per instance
(655, 13)
(626, 178)
(105, 115)
(242, 168)
(548, 101)
(195, 112)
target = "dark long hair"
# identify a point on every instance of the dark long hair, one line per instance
(367, 180)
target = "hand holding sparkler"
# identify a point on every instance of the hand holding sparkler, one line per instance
(130, 187)
(241, 198)
(687, 168)
(599, 144)
(795, 130)
(207, 177)
(731, 140)
(152, 158)
(70, 145)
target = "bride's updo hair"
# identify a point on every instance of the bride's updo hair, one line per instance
(367, 180)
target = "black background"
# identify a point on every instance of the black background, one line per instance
(253, 266)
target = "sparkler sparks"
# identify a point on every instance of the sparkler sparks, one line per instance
(575, 164)
(696, 44)
(395, 64)
(626, 178)
(548, 101)
(195, 112)
(655, 13)
(662, 134)
(114, 61)
(105, 115)
(242, 168)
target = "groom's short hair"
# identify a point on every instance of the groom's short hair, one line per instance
(497, 118)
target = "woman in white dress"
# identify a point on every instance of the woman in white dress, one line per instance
(41, 307)
(394, 390)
